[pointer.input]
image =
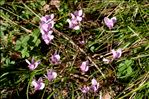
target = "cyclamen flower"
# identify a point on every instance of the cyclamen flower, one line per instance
(116, 54)
(95, 85)
(85, 89)
(55, 59)
(33, 65)
(38, 85)
(47, 18)
(84, 66)
(51, 75)
(46, 25)
(76, 18)
(110, 22)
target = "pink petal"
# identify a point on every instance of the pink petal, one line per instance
(36, 64)
(117, 54)
(84, 66)
(119, 51)
(57, 57)
(114, 19)
(54, 75)
(31, 66)
(94, 82)
(79, 18)
(40, 79)
(51, 37)
(51, 75)
(42, 31)
(85, 89)
(34, 83)
(76, 27)
(27, 61)
(43, 19)
(52, 16)
(44, 27)
(114, 53)
(47, 41)
(50, 32)
(42, 85)
(70, 23)
(72, 16)
(80, 12)
(108, 22)
(51, 24)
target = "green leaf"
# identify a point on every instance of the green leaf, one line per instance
(37, 42)
(92, 48)
(25, 53)
(125, 69)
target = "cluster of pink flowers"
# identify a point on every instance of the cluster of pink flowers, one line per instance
(115, 53)
(39, 84)
(94, 87)
(46, 25)
(51, 74)
(76, 18)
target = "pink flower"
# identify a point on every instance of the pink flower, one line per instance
(73, 24)
(46, 25)
(33, 65)
(76, 18)
(95, 85)
(84, 66)
(77, 15)
(110, 22)
(38, 85)
(116, 54)
(47, 18)
(55, 59)
(51, 75)
(85, 89)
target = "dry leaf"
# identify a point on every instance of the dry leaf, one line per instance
(46, 7)
(106, 96)
(56, 3)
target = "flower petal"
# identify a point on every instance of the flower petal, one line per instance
(76, 27)
(94, 82)
(79, 18)
(114, 19)
(42, 85)
(34, 83)
(72, 16)
(80, 12)
(27, 61)
(54, 75)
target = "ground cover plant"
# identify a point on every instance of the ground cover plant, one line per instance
(74, 49)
